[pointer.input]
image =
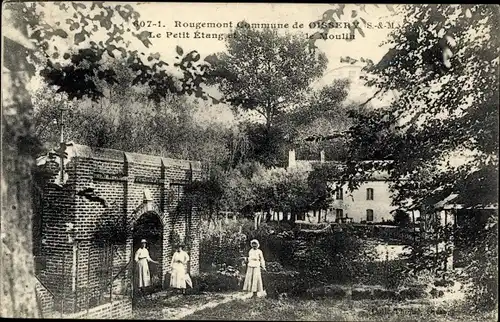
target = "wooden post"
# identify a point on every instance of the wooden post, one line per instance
(63, 283)
(111, 275)
(88, 280)
(75, 289)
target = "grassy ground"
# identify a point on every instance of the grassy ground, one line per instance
(334, 310)
(165, 304)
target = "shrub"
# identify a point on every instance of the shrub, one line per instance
(395, 274)
(362, 294)
(481, 272)
(411, 293)
(221, 247)
(274, 267)
(338, 257)
(227, 243)
(382, 294)
(335, 292)
(280, 249)
(390, 274)
(279, 283)
(215, 282)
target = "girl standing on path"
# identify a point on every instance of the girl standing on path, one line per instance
(255, 262)
(179, 275)
(142, 259)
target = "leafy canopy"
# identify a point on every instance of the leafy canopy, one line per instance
(70, 59)
(443, 66)
(264, 71)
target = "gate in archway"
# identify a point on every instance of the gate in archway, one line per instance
(110, 191)
(150, 228)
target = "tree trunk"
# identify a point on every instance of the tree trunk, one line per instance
(18, 297)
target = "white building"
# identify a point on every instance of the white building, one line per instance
(370, 203)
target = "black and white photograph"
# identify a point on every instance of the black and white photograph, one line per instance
(249, 161)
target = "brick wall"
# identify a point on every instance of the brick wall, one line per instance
(120, 309)
(45, 299)
(115, 182)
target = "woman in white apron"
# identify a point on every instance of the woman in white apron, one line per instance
(142, 260)
(180, 277)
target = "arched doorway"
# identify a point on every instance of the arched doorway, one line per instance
(150, 227)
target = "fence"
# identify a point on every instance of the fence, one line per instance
(96, 279)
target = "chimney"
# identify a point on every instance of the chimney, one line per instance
(322, 156)
(291, 158)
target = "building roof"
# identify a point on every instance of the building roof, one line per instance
(375, 175)
(84, 151)
(454, 201)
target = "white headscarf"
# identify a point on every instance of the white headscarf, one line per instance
(254, 241)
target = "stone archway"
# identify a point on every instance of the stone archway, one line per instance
(149, 225)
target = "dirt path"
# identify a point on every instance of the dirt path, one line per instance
(168, 306)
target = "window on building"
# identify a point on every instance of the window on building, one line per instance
(339, 213)
(339, 194)
(369, 194)
(369, 215)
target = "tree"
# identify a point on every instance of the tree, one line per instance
(265, 145)
(356, 15)
(265, 72)
(443, 66)
(401, 218)
(320, 181)
(19, 147)
(207, 194)
(314, 125)
(432, 120)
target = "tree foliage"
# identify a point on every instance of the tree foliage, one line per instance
(441, 129)
(480, 273)
(71, 60)
(440, 113)
(315, 124)
(355, 14)
(265, 72)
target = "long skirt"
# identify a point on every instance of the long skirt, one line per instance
(178, 277)
(253, 280)
(143, 277)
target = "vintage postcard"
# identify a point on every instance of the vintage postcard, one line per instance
(249, 161)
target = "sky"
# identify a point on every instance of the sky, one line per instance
(163, 19)
(170, 13)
